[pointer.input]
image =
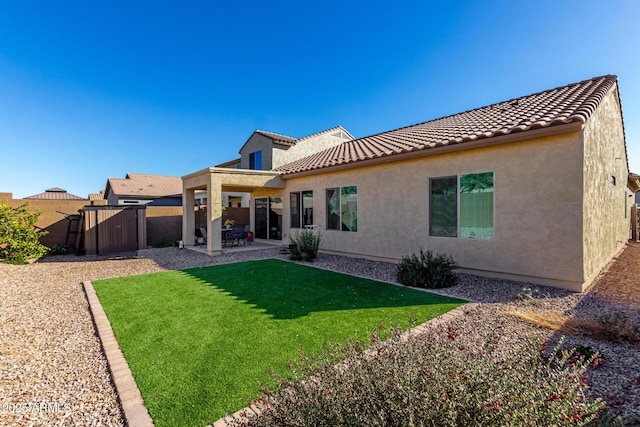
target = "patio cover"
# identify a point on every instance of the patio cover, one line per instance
(214, 181)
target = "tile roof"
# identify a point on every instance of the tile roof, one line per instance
(566, 104)
(276, 137)
(146, 185)
(55, 194)
(97, 196)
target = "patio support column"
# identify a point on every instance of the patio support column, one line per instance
(188, 216)
(214, 212)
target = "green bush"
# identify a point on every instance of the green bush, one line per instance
(427, 271)
(164, 243)
(304, 245)
(60, 250)
(19, 239)
(434, 379)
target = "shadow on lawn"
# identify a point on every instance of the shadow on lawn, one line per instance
(287, 290)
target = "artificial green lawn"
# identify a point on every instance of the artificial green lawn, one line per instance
(199, 340)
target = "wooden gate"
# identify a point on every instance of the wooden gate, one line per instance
(111, 229)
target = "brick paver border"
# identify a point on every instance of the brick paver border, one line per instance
(129, 397)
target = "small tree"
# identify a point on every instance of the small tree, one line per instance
(19, 239)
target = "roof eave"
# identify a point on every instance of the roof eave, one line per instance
(633, 182)
(573, 126)
(283, 143)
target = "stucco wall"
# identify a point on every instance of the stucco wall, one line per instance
(255, 143)
(50, 219)
(307, 146)
(538, 209)
(164, 224)
(607, 207)
(276, 155)
(112, 199)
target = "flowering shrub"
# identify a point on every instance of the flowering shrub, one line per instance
(432, 379)
(427, 270)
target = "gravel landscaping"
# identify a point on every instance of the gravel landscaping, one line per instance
(54, 371)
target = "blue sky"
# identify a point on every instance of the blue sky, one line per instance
(92, 90)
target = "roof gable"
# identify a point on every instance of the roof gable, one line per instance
(573, 103)
(290, 141)
(336, 129)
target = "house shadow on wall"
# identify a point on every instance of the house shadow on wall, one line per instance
(62, 233)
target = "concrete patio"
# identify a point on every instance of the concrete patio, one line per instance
(255, 245)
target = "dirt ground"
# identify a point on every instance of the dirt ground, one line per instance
(620, 282)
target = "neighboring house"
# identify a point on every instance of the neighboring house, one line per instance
(55, 194)
(144, 189)
(534, 189)
(97, 196)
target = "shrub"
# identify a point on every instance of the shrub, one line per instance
(304, 245)
(427, 270)
(617, 327)
(435, 379)
(164, 243)
(60, 250)
(19, 239)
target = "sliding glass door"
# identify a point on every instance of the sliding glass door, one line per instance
(268, 218)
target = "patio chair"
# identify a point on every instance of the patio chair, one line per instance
(237, 234)
(201, 236)
(246, 232)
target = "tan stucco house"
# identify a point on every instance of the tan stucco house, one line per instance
(535, 189)
(267, 150)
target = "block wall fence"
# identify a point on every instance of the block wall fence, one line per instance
(164, 223)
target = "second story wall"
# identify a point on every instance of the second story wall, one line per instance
(308, 146)
(257, 143)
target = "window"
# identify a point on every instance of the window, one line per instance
(333, 211)
(342, 208)
(307, 208)
(301, 208)
(295, 209)
(443, 207)
(255, 160)
(462, 206)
